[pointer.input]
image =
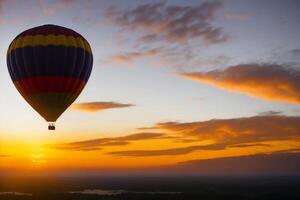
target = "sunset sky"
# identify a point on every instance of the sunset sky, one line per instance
(173, 82)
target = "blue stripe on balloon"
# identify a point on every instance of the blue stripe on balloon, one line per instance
(49, 61)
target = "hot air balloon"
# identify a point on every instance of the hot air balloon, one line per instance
(49, 65)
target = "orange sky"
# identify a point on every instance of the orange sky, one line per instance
(166, 144)
(166, 87)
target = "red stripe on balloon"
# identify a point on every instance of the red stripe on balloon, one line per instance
(44, 84)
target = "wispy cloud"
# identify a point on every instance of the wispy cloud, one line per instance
(226, 133)
(132, 56)
(168, 152)
(237, 16)
(99, 143)
(266, 81)
(173, 23)
(50, 9)
(250, 145)
(168, 32)
(98, 106)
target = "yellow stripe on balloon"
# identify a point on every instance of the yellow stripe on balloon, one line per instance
(45, 40)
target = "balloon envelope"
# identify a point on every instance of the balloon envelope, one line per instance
(49, 65)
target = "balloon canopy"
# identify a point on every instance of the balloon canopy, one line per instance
(49, 65)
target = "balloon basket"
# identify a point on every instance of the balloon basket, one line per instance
(51, 127)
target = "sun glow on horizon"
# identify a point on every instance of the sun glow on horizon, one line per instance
(168, 88)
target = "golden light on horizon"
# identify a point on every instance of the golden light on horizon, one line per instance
(203, 81)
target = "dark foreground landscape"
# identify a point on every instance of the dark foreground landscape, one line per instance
(154, 188)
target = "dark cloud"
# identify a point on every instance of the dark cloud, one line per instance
(173, 23)
(266, 81)
(295, 52)
(183, 150)
(250, 145)
(97, 144)
(169, 152)
(141, 136)
(294, 150)
(270, 113)
(98, 106)
(277, 163)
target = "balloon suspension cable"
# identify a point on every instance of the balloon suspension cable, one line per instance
(51, 126)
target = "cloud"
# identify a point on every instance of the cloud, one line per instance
(270, 113)
(98, 106)
(97, 144)
(295, 52)
(52, 9)
(168, 152)
(239, 130)
(276, 163)
(237, 16)
(172, 23)
(266, 81)
(226, 133)
(173, 34)
(293, 150)
(132, 56)
(250, 145)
